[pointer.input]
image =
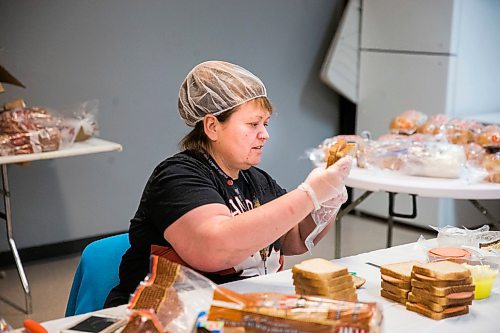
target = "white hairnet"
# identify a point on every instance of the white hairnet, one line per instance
(214, 87)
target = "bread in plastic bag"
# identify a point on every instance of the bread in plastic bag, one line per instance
(44, 130)
(169, 299)
(276, 312)
(434, 159)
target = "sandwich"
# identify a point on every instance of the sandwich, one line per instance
(440, 289)
(396, 280)
(338, 150)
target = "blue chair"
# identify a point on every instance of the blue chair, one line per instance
(96, 274)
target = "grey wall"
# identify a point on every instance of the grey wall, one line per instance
(132, 56)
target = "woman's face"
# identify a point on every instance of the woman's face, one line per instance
(241, 138)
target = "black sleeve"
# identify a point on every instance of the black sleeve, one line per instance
(179, 186)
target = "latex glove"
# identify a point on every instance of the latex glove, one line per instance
(325, 215)
(324, 184)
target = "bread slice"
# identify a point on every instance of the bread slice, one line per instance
(450, 299)
(442, 270)
(431, 305)
(449, 312)
(392, 297)
(440, 283)
(319, 269)
(395, 290)
(326, 289)
(298, 278)
(396, 282)
(399, 270)
(441, 291)
(345, 295)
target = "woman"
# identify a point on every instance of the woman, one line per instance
(209, 207)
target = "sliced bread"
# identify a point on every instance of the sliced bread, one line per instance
(431, 305)
(394, 289)
(442, 270)
(399, 270)
(392, 297)
(440, 283)
(396, 282)
(450, 299)
(319, 269)
(441, 291)
(449, 312)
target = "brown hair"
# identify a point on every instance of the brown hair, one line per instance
(198, 141)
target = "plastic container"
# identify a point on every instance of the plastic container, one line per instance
(484, 274)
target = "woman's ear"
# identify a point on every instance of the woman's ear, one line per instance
(210, 125)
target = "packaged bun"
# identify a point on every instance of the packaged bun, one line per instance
(489, 136)
(459, 131)
(434, 125)
(407, 122)
(491, 163)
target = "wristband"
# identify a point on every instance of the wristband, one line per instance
(308, 189)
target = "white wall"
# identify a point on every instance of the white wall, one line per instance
(132, 56)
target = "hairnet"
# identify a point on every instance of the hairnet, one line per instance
(214, 87)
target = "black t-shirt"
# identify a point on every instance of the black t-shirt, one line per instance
(177, 185)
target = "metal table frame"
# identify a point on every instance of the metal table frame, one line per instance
(90, 146)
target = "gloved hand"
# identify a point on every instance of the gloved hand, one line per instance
(327, 183)
(325, 215)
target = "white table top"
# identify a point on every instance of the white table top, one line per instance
(90, 146)
(390, 181)
(483, 314)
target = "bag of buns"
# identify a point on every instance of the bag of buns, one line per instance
(407, 122)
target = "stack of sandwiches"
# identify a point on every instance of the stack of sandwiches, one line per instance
(321, 277)
(396, 281)
(440, 289)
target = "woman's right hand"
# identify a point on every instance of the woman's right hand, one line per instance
(329, 183)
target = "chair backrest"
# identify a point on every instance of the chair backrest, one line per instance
(96, 274)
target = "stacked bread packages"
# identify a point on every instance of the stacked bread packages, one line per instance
(396, 281)
(320, 277)
(440, 289)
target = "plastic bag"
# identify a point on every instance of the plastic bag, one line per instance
(434, 159)
(33, 130)
(83, 118)
(169, 299)
(275, 312)
(318, 155)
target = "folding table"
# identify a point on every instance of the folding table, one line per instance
(90, 146)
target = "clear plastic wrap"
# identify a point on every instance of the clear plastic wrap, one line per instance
(83, 118)
(434, 159)
(319, 154)
(169, 299)
(275, 312)
(32, 130)
(481, 243)
(408, 122)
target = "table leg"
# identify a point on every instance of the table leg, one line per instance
(338, 219)
(486, 214)
(7, 216)
(392, 214)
